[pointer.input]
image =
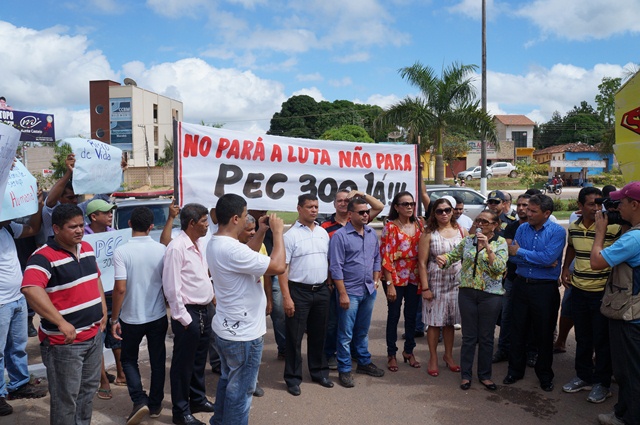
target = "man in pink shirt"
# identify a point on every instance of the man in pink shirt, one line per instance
(188, 289)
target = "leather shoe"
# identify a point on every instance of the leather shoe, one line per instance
(465, 386)
(491, 387)
(294, 390)
(207, 406)
(546, 386)
(325, 382)
(186, 420)
(510, 379)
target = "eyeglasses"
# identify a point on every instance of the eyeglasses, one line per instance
(443, 211)
(484, 222)
(406, 204)
(493, 202)
(364, 212)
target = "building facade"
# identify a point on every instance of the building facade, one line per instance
(133, 119)
(575, 162)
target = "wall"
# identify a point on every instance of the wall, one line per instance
(135, 177)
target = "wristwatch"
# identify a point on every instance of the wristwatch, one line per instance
(388, 283)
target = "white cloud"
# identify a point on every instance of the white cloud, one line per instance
(543, 91)
(178, 8)
(353, 57)
(473, 9)
(69, 123)
(342, 82)
(309, 77)
(314, 92)
(238, 99)
(48, 68)
(583, 19)
(383, 101)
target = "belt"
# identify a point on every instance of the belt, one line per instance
(537, 281)
(309, 287)
(197, 306)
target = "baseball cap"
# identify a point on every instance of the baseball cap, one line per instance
(496, 195)
(631, 190)
(99, 205)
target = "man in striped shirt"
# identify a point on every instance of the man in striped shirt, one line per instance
(591, 326)
(62, 284)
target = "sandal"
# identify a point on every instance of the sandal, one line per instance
(392, 363)
(104, 394)
(411, 359)
(120, 383)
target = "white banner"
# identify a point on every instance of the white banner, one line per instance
(104, 245)
(270, 172)
(9, 140)
(97, 168)
(21, 194)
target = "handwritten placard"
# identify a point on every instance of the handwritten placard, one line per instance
(20, 195)
(9, 140)
(104, 245)
(97, 168)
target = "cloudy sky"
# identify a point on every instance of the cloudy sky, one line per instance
(236, 61)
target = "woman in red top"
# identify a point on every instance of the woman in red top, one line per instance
(399, 252)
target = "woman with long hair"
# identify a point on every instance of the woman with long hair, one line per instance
(440, 287)
(399, 252)
(484, 260)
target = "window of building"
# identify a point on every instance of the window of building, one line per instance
(99, 109)
(155, 135)
(155, 113)
(519, 138)
(99, 133)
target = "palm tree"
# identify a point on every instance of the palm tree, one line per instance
(446, 102)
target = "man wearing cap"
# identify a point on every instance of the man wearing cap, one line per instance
(495, 202)
(621, 302)
(100, 216)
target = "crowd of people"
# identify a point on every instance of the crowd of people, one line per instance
(228, 268)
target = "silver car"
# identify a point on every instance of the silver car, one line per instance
(474, 202)
(474, 172)
(159, 207)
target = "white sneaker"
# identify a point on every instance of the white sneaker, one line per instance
(609, 419)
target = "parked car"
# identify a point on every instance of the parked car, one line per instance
(474, 202)
(473, 173)
(159, 207)
(504, 169)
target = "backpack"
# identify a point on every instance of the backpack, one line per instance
(621, 299)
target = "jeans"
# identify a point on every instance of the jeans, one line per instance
(240, 361)
(592, 335)
(277, 315)
(132, 335)
(411, 298)
(189, 359)
(353, 324)
(479, 312)
(13, 345)
(625, 352)
(73, 371)
(504, 341)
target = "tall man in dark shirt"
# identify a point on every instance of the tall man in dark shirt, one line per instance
(537, 250)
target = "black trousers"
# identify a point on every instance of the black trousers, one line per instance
(625, 352)
(190, 347)
(535, 305)
(311, 313)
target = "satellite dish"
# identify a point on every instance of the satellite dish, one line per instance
(130, 82)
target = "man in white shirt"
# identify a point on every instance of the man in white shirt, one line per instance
(305, 296)
(240, 322)
(458, 213)
(139, 311)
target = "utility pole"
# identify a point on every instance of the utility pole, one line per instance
(483, 142)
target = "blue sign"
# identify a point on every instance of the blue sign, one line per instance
(33, 127)
(121, 128)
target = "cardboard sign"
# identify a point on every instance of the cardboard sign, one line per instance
(97, 169)
(21, 194)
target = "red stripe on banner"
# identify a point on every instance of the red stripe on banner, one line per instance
(181, 197)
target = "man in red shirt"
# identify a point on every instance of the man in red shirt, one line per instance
(62, 284)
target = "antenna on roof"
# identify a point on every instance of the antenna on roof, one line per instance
(130, 82)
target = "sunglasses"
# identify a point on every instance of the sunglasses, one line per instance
(493, 202)
(407, 204)
(364, 212)
(484, 222)
(443, 211)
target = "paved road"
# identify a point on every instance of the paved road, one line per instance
(405, 397)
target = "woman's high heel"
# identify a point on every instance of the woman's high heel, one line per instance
(411, 359)
(392, 363)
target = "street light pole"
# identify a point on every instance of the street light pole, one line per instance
(483, 142)
(146, 148)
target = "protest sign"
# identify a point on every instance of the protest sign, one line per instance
(104, 245)
(270, 172)
(97, 168)
(21, 194)
(9, 140)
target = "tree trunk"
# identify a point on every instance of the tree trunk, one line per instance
(439, 169)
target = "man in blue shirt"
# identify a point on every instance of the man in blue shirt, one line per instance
(354, 263)
(537, 252)
(624, 335)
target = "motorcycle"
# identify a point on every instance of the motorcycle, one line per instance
(548, 187)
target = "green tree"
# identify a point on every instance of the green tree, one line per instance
(528, 170)
(447, 102)
(606, 99)
(60, 152)
(455, 146)
(348, 133)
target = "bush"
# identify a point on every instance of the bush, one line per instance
(558, 205)
(572, 205)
